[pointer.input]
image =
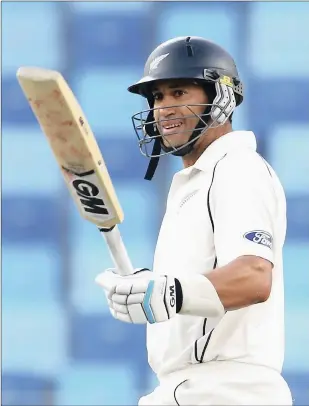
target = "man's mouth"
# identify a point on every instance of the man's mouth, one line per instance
(169, 128)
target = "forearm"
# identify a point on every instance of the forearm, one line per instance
(242, 282)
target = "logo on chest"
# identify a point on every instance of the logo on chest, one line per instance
(187, 198)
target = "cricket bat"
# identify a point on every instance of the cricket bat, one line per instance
(78, 155)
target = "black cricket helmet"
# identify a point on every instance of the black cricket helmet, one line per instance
(201, 61)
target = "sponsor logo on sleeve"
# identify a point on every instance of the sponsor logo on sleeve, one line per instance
(260, 237)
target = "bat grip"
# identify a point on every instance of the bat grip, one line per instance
(117, 250)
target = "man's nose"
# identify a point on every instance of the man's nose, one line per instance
(166, 111)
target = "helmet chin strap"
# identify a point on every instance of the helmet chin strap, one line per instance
(153, 162)
(181, 151)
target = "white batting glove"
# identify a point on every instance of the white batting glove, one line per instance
(142, 297)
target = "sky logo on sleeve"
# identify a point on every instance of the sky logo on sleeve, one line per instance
(260, 237)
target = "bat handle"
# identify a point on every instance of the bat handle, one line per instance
(117, 250)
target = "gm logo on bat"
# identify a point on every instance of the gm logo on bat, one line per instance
(87, 192)
(260, 237)
(172, 296)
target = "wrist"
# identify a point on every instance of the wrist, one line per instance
(197, 296)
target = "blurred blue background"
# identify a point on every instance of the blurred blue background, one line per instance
(60, 345)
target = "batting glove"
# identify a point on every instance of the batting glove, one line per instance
(142, 297)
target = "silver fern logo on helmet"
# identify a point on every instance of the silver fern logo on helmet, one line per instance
(155, 63)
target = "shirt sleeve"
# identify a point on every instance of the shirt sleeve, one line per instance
(243, 204)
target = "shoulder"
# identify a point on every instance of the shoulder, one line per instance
(244, 163)
(244, 174)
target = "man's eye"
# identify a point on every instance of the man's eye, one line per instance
(157, 96)
(179, 93)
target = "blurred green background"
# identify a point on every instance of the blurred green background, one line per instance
(60, 345)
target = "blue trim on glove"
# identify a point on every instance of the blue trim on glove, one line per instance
(146, 303)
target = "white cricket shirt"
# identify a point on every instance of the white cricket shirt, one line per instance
(229, 203)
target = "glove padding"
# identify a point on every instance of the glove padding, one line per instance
(142, 297)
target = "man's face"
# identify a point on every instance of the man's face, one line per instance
(172, 122)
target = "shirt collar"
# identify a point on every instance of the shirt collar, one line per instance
(228, 142)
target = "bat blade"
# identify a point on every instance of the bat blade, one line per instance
(73, 144)
(77, 153)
